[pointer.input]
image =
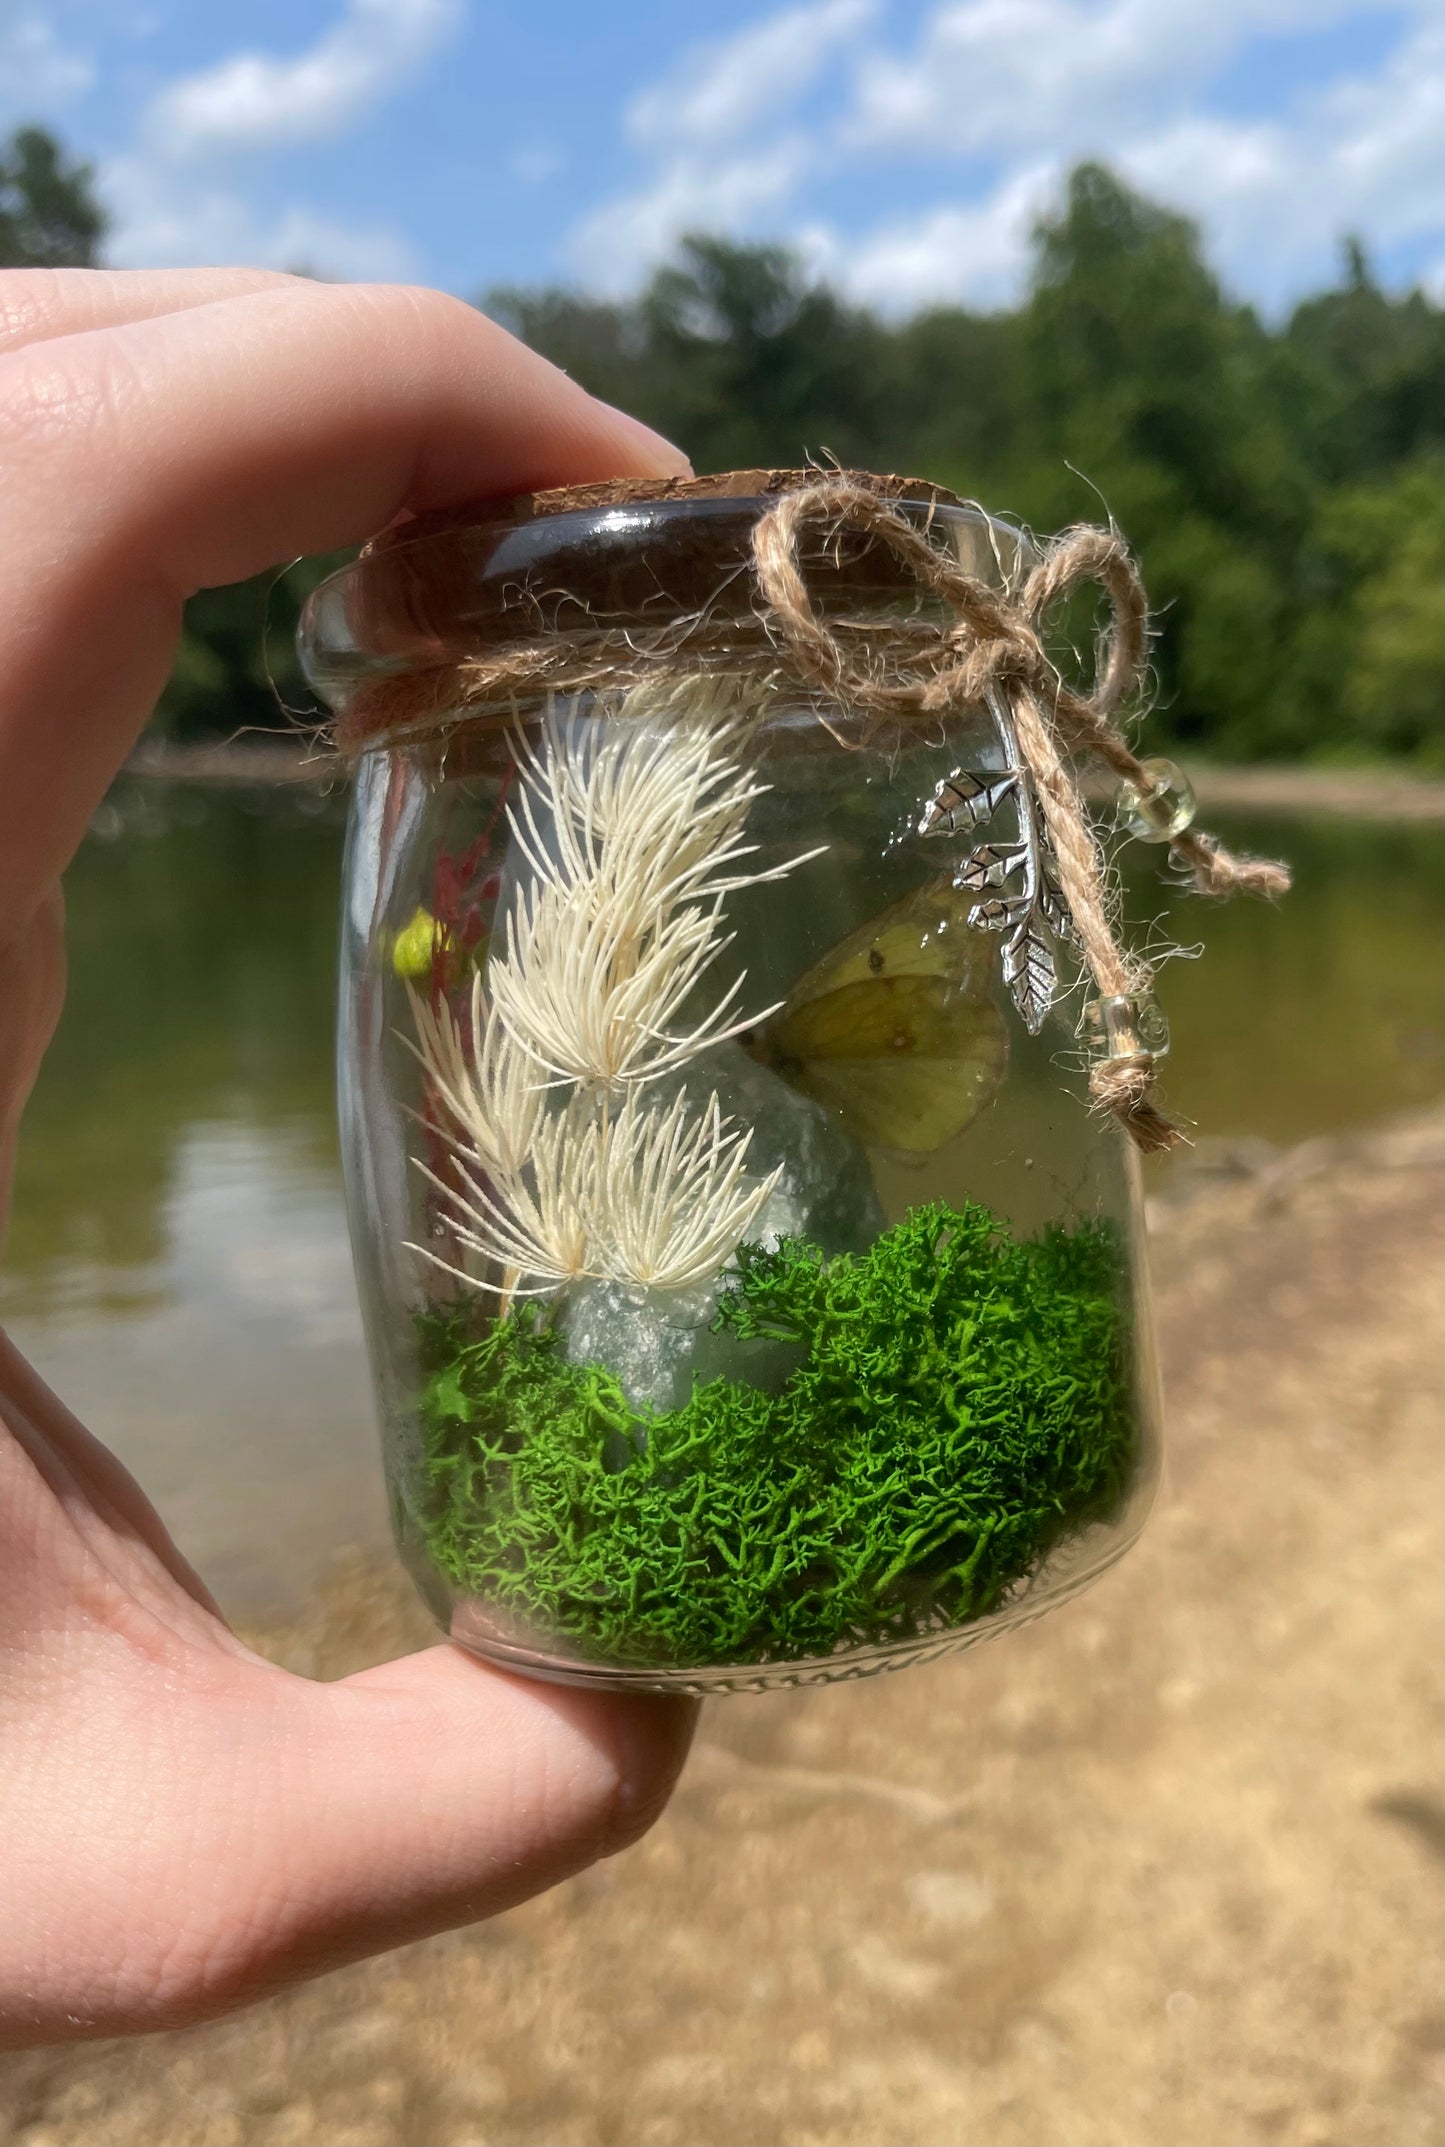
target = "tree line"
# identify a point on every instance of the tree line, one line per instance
(1280, 483)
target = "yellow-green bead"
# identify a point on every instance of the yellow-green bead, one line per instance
(417, 944)
(1161, 807)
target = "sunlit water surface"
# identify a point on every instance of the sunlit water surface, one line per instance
(178, 1266)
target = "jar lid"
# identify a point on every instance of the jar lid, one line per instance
(757, 484)
(613, 565)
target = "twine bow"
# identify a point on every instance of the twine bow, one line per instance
(891, 668)
(994, 646)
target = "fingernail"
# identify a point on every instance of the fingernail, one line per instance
(664, 459)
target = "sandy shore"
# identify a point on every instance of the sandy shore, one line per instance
(1370, 793)
(1162, 1871)
(1362, 793)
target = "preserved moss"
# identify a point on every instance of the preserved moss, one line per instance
(963, 1402)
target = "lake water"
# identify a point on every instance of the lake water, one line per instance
(178, 1266)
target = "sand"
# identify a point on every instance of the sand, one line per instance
(1161, 1871)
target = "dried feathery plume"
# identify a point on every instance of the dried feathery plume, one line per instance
(669, 1200)
(633, 1193)
(522, 1195)
(629, 827)
(629, 830)
(495, 1096)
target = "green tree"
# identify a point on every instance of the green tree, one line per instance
(603, 346)
(1359, 374)
(1135, 370)
(1382, 639)
(235, 669)
(1280, 484)
(767, 368)
(951, 412)
(1128, 351)
(49, 214)
(730, 349)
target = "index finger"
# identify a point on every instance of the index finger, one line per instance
(149, 459)
(38, 303)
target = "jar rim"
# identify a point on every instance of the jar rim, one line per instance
(760, 486)
(662, 560)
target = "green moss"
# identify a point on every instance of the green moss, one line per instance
(965, 1401)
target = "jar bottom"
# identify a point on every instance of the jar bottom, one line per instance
(961, 1433)
(1070, 1575)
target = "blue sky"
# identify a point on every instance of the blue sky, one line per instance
(905, 146)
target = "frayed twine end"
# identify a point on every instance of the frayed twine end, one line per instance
(1124, 1087)
(1213, 870)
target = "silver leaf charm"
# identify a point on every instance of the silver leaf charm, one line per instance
(1034, 917)
(989, 866)
(1057, 914)
(963, 799)
(1029, 972)
(998, 915)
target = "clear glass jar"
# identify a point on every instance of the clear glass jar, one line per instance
(753, 1299)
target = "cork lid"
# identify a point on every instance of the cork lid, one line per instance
(757, 484)
(597, 575)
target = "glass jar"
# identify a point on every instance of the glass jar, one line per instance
(753, 1298)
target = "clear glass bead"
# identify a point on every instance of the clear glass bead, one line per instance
(1161, 808)
(1131, 1026)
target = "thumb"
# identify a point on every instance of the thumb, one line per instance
(433, 1791)
(203, 1828)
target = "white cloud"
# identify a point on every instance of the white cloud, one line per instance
(1006, 75)
(723, 90)
(1273, 196)
(618, 242)
(538, 162)
(1276, 196)
(1019, 90)
(255, 100)
(37, 72)
(168, 204)
(965, 253)
(158, 224)
(703, 122)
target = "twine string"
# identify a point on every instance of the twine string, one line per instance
(898, 669)
(994, 645)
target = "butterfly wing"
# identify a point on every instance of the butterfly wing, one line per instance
(896, 1028)
(927, 934)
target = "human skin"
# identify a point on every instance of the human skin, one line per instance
(185, 1826)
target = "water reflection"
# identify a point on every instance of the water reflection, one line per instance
(201, 930)
(1323, 1012)
(178, 1265)
(227, 1370)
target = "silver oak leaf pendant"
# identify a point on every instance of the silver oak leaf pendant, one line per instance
(1018, 880)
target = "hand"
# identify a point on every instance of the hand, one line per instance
(184, 1825)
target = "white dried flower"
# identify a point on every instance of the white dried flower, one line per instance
(638, 1193)
(631, 829)
(495, 1096)
(629, 825)
(670, 1202)
(521, 1195)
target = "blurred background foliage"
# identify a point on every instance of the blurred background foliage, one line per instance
(1280, 483)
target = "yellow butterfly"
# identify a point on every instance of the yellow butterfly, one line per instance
(896, 1029)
